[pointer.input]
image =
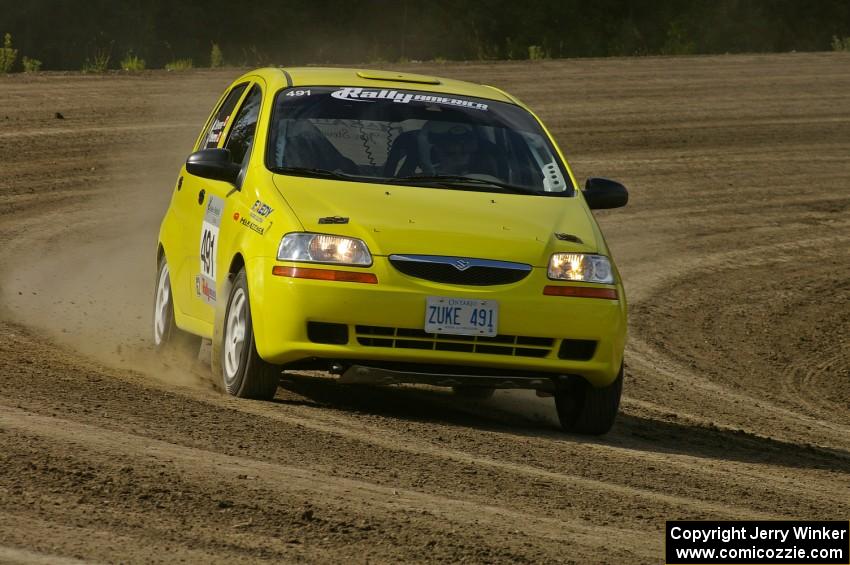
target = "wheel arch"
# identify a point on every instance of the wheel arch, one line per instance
(237, 262)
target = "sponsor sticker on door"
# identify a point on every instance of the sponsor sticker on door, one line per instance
(209, 236)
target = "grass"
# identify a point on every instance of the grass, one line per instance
(99, 62)
(132, 63)
(179, 65)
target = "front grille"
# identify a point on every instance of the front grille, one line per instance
(402, 338)
(460, 270)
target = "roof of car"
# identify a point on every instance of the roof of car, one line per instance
(334, 76)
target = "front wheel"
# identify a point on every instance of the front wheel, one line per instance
(585, 409)
(244, 373)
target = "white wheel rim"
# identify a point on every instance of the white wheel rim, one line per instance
(234, 335)
(160, 313)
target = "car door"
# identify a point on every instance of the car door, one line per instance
(210, 237)
(190, 192)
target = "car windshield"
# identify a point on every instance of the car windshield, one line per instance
(417, 138)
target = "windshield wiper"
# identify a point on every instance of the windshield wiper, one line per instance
(460, 181)
(311, 172)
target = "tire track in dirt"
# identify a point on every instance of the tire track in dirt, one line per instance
(772, 257)
(310, 482)
(807, 381)
(15, 555)
(651, 360)
(353, 429)
(76, 131)
(685, 464)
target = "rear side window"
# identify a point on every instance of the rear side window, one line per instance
(222, 117)
(241, 135)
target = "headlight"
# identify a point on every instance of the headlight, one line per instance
(581, 267)
(322, 248)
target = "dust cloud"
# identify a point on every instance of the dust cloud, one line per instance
(86, 278)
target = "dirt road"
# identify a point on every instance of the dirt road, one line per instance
(735, 250)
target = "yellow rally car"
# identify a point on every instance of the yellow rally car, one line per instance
(392, 228)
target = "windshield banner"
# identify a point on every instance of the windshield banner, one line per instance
(365, 95)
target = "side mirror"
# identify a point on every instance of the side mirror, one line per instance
(604, 193)
(215, 164)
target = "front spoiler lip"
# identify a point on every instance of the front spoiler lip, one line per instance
(361, 374)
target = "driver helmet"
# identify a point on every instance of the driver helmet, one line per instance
(454, 144)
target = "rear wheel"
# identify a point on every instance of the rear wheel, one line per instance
(167, 337)
(585, 409)
(244, 373)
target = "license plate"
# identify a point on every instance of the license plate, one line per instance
(461, 316)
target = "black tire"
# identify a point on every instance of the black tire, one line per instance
(246, 374)
(585, 409)
(474, 392)
(167, 337)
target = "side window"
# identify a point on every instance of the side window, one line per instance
(241, 134)
(222, 117)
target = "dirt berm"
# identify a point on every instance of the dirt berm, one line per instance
(735, 251)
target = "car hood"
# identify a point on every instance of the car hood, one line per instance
(431, 221)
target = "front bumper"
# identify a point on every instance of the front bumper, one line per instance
(281, 307)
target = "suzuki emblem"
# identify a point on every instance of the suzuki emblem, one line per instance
(462, 264)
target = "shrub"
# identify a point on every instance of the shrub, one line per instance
(99, 62)
(840, 43)
(7, 54)
(677, 42)
(536, 53)
(216, 57)
(31, 65)
(179, 65)
(132, 63)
